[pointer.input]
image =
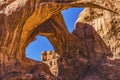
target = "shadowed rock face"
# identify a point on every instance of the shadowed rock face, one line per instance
(83, 53)
(106, 24)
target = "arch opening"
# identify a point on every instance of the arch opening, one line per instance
(41, 48)
(70, 16)
(35, 48)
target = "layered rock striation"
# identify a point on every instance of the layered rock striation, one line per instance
(84, 53)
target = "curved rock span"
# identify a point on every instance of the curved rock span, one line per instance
(91, 51)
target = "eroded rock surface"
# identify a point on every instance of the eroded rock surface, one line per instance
(83, 53)
(50, 58)
(106, 24)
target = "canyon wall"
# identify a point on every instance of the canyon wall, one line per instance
(91, 51)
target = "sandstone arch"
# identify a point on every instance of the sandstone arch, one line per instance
(17, 30)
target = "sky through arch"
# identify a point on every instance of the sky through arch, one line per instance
(41, 43)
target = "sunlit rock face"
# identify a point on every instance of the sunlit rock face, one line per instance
(83, 53)
(106, 24)
(50, 58)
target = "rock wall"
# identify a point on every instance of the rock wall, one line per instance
(83, 53)
(106, 24)
(50, 58)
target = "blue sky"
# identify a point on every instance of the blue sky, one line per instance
(41, 43)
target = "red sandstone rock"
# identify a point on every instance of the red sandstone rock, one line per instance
(83, 53)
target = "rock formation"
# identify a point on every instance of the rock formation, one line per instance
(84, 53)
(106, 24)
(50, 58)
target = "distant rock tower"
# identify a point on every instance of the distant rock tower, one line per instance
(50, 58)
